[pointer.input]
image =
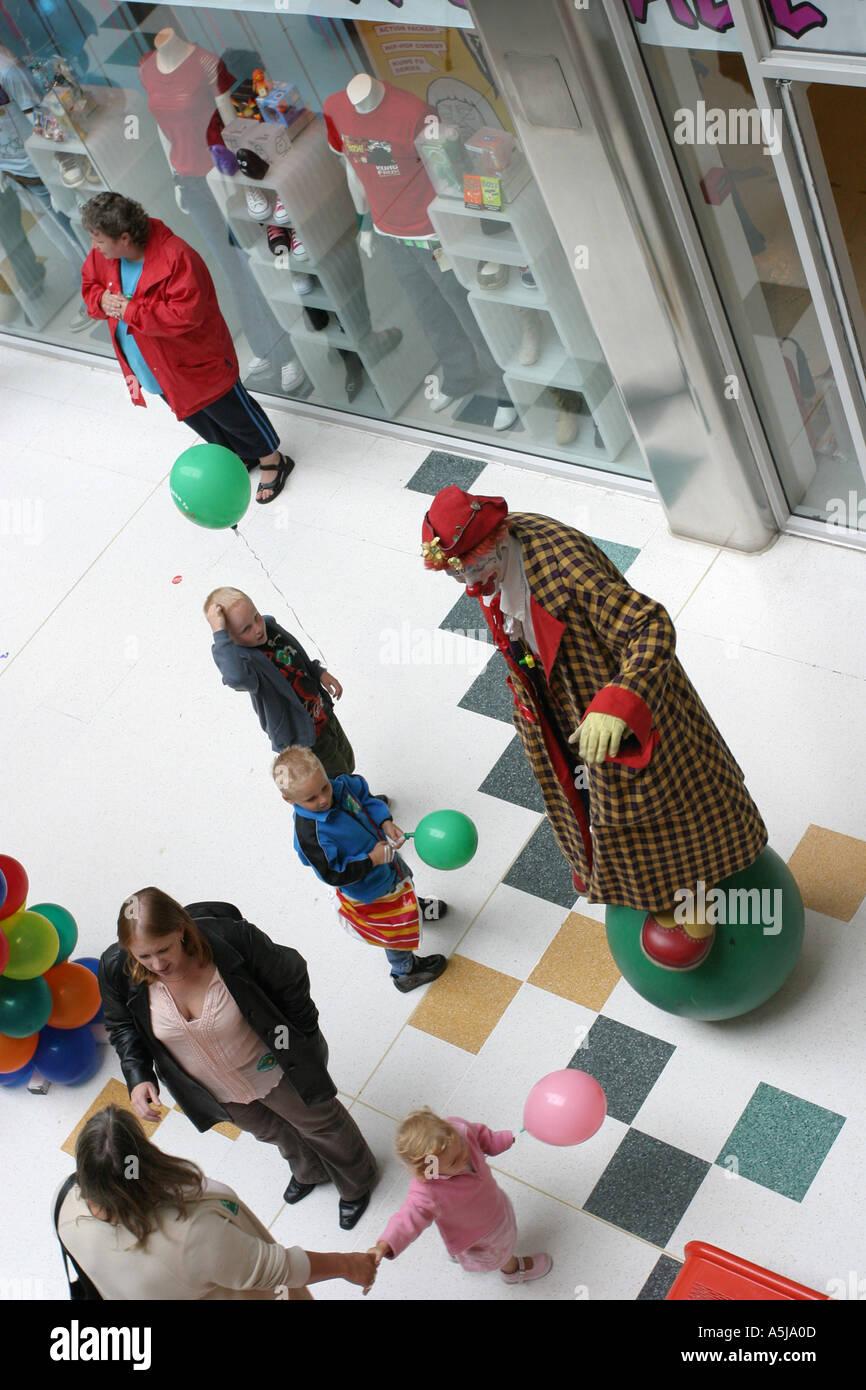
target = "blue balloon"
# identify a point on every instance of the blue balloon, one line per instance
(19, 1077)
(4, 889)
(92, 964)
(67, 1055)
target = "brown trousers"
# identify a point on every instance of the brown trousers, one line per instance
(321, 1143)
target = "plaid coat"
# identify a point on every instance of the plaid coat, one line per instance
(672, 808)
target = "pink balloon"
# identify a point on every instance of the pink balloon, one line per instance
(566, 1107)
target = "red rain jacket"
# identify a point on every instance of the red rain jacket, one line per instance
(176, 320)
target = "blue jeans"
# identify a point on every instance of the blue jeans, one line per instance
(401, 962)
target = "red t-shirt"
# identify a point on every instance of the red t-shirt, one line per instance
(380, 146)
(182, 104)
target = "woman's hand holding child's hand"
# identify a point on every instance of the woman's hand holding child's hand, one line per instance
(380, 1251)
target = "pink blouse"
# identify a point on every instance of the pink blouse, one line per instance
(219, 1049)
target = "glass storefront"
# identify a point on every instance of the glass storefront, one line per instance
(377, 240)
(729, 152)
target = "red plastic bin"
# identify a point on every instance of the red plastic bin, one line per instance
(710, 1273)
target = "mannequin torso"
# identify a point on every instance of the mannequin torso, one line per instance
(170, 50)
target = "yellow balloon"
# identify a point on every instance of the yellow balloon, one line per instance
(33, 945)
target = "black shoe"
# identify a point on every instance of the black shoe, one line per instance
(432, 909)
(427, 969)
(297, 1191)
(351, 1212)
(316, 319)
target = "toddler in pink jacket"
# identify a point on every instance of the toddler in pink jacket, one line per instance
(453, 1186)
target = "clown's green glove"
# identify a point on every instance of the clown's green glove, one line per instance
(599, 735)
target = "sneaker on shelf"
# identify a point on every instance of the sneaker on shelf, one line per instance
(492, 276)
(71, 169)
(279, 242)
(505, 417)
(292, 375)
(527, 278)
(259, 204)
(257, 365)
(316, 319)
(281, 213)
(91, 176)
(80, 319)
(302, 284)
(567, 426)
(299, 250)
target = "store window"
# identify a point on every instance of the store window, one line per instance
(354, 185)
(724, 147)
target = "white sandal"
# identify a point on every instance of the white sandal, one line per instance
(541, 1265)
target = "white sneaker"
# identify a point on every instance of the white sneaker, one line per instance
(258, 204)
(299, 250)
(292, 375)
(302, 284)
(80, 319)
(257, 365)
(281, 213)
(504, 417)
(530, 343)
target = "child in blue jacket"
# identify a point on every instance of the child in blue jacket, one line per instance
(346, 835)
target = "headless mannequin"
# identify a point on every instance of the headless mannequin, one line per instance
(171, 51)
(366, 93)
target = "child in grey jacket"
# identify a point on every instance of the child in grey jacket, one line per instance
(292, 695)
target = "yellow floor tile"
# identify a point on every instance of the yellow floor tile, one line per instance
(831, 871)
(224, 1127)
(113, 1093)
(465, 1004)
(578, 964)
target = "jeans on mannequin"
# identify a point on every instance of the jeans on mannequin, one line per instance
(29, 272)
(442, 309)
(63, 236)
(263, 333)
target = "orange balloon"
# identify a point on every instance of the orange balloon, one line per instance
(16, 1052)
(75, 991)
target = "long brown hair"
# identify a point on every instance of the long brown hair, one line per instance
(150, 912)
(121, 1171)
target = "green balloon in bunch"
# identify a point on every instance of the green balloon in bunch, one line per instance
(445, 839)
(33, 945)
(25, 1007)
(63, 923)
(211, 486)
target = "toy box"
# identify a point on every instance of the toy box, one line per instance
(281, 103)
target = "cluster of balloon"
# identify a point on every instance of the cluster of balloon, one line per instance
(211, 486)
(445, 839)
(50, 1007)
(565, 1107)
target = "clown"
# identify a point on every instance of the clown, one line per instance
(641, 791)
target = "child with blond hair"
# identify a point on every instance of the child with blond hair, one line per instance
(346, 835)
(453, 1186)
(292, 695)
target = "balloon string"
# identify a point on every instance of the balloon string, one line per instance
(275, 585)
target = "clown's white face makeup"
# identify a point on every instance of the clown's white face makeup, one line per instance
(485, 576)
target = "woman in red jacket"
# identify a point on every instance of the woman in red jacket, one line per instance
(169, 335)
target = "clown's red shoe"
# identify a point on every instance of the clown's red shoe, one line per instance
(667, 943)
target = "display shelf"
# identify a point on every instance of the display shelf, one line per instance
(539, 410)
(310, 181)
(340, 288)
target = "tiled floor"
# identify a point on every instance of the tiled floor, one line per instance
(127, 762)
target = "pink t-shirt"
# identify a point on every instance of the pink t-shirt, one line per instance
(380, 146)
(182, 103)
(220, 1049)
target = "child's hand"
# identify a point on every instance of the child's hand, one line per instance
(394, 833)
(380, 1251)
(381, 854)
(216, 616)
(331, 684)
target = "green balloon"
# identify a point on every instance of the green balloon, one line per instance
(446, 839)
(25, 1007)
(63, 923)
(751, 956)
(210, 485)
(33, 945)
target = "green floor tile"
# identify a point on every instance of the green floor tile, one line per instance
(780, 1141)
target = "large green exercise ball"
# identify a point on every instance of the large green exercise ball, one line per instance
(446, 839)
(750, 959)
(210, 485)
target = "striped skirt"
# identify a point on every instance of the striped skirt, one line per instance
(392, 920)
